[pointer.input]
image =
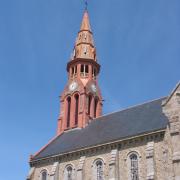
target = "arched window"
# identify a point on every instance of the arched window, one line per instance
(94, 73)
(44, 175)
(89, 104)
(68, 111)
(76, 108)
(95, 106)
(74, 71)
(134, 167)
(69, 173)
(84, 70)
(99, 170)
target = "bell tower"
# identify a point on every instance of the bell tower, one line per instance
(81, 100)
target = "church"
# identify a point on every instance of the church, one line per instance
(138, 143)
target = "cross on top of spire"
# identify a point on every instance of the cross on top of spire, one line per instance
(86, 5)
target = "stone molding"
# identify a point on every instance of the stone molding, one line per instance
(80, 174)
(73, 171)
(54, 171)
(81, 163)
(150, 161)
(113, 158)
(174, 125)
(113, 165)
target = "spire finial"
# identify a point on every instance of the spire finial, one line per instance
(86, 4)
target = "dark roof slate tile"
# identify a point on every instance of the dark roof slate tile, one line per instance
(126, 123)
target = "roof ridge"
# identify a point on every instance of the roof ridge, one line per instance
(133, 106)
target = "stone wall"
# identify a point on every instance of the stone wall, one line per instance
(171, 108)
(154, 158)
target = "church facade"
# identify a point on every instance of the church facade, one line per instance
(137, 143)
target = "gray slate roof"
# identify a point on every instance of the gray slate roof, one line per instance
(130, 122)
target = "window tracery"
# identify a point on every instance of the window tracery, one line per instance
(69, 173)
(134, 167)
(98, 168)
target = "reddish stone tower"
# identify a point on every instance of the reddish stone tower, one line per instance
(81, 99)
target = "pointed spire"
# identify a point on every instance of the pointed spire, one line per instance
(84, 46)
(85, 25)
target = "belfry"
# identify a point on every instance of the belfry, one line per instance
(81, 99)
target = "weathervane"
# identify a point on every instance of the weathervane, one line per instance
(86, 4)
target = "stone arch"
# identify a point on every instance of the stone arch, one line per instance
(98, 167)
(69, 172)
(44, 174)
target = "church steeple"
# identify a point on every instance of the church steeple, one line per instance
(84, 45)
(81, 99)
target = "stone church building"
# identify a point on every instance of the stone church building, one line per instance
(137, 143)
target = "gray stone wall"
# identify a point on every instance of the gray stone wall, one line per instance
(154, 160)
(171, 108)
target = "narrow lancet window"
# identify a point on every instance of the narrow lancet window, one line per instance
(99, 168)
(82, 68)
(89, 104)
(86, 69)
(134, 167)
(76, 108)
(94, 73)
(76, 69)
(95, 107)
(69, 173)
(68, 111)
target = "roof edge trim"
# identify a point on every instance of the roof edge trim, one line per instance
(108, 143)
(45, 146)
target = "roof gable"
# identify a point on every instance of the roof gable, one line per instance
(176, 91)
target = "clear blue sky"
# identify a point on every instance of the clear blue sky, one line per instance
(138, 46)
